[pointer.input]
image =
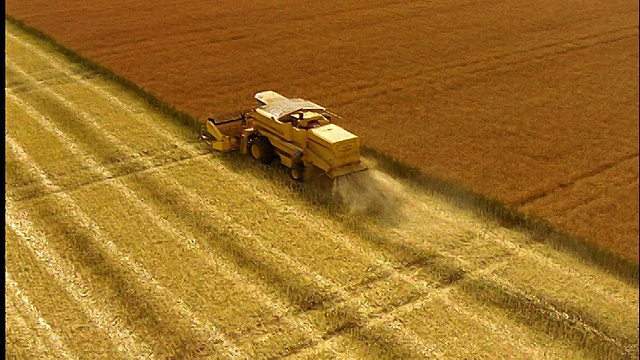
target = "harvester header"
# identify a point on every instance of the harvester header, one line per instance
(297, 131)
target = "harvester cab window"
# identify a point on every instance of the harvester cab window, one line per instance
(296, 118)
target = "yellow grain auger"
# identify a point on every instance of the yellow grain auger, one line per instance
(299, 132)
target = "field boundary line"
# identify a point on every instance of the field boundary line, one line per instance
(110, 248)
(54, 338)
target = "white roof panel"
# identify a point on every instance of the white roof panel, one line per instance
(280, 109)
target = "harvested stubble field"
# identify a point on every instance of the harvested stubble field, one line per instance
(127, 238)
(532, 104)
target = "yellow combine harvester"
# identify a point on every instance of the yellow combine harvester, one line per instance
(297, 131)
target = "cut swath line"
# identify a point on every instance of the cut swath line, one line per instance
(420, 209)
(18, 331)
(512, 337)
(53, 338)
(553, 316)
(64, 101)
(356, 304)
(89, 119)
(73, 148)
(100, 91)
(143, 277)
(387, 267)
(100, 312)
(405, 334)
(187, 240)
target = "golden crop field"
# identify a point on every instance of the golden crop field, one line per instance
(127, 237)
(530, 106)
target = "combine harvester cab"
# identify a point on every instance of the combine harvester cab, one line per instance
(299, 132)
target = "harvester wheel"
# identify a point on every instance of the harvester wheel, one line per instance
(297, 172)
(262, 150)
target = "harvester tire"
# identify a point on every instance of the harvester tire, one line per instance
(297, 172)
(261, 149)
